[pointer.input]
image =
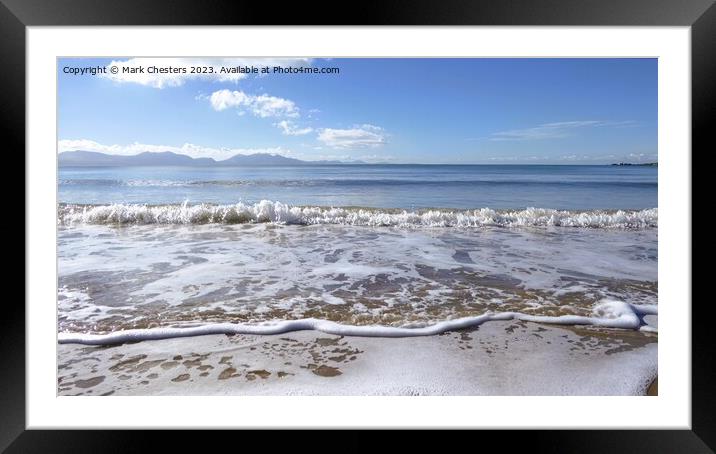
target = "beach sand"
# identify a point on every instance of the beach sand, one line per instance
(496, 358)
(653, 388)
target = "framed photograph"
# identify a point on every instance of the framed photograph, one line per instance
(464, 215)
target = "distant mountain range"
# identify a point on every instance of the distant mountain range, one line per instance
(167, 158)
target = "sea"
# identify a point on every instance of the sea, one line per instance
(376, 250)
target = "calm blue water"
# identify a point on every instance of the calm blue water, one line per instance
(380, 186)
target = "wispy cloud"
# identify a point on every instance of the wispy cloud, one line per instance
(189, 149)
(345, 157)
(558, 130)
(359, 136)
(577, 158)
(289, 128)
(174, 72)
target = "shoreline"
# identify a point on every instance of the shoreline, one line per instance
(623, 315)
(509, 357)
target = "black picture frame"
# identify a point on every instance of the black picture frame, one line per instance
(700, 15)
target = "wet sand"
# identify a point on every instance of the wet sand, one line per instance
(496, 358)
(653, 388)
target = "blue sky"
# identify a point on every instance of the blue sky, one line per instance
(498, 111)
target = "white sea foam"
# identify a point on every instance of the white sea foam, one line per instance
(276, 212)
(608, 313)
(170, 275)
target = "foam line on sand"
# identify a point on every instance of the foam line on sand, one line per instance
(608, 313)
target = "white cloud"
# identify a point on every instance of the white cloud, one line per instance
(289, 128)
(176, 71)
(557, 130)
(189, 149)
(575, 158)
(345, 157)
(272, 106)
(224, 99)
(262, 105)
(375, 158)
(359, 136)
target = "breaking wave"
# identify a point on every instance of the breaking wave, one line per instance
(276, 212)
